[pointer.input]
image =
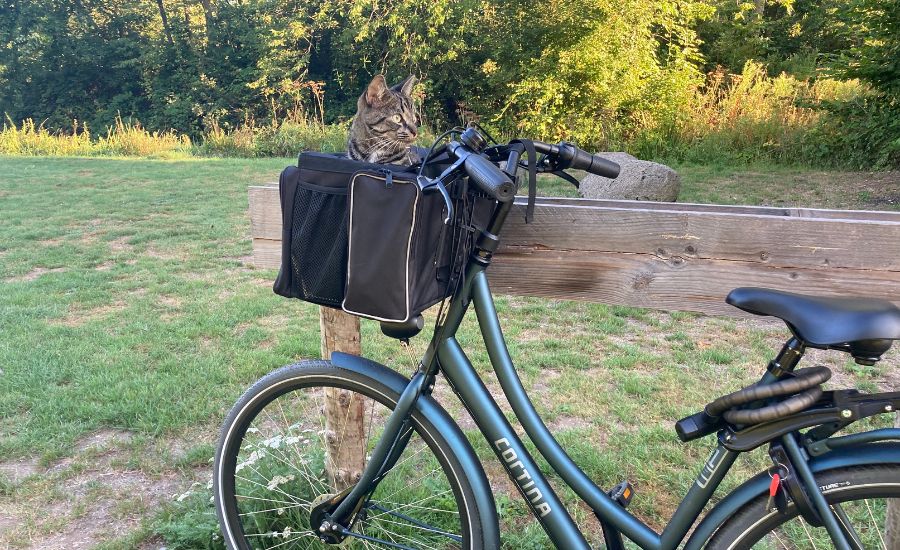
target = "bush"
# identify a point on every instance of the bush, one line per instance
(751, 117)
(218, 142)
(863, 132)
(129, 139)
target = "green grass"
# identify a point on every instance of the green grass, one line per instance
(130, 323)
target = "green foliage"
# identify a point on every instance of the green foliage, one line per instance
(786, 35)
(190, 523)
(751, 117)
(274, 77)
(863, 133)
(875, 55)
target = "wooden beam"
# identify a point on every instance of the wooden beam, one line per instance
(344, 409)
(669, 256)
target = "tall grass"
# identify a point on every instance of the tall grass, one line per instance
(122, 139)
(283, 138)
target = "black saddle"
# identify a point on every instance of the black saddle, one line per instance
(865, 327)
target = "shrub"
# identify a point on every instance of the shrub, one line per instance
(749, 117)
(863, 132)
(218, 142)
(287, 138)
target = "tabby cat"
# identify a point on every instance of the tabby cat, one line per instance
(385, 124)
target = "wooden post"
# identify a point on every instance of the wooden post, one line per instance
(344, 409)
(892, 524)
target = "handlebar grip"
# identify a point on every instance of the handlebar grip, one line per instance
(489, 178)
(582, 160)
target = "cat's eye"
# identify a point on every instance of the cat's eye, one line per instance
(397, 119)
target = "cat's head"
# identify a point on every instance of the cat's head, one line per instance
(388, 113)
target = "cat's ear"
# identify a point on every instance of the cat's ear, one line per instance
(377, 90)
(406, 87)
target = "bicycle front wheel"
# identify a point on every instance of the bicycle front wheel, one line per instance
(278, 459)
(860, 496)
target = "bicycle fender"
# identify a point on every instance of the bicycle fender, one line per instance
(871, 453)
(448, 429)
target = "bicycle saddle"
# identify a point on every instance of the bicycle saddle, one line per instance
(863, 326)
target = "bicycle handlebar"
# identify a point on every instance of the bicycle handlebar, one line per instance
(486, 175)
(490, 178)
(499, 185)
(570, 156)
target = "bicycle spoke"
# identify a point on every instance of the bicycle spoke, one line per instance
(419, 524)
(280, 470)
(847, 527)
(412, 505)
(875, 525)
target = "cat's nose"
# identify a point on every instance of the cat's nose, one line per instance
(412, 131)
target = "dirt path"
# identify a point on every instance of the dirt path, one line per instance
(110, 486)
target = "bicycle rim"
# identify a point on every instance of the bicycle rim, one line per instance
(276, 466)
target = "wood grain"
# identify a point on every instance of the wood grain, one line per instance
(668, 255)
(643, 280)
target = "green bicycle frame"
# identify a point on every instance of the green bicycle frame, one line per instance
(445, 354)
(520, 465)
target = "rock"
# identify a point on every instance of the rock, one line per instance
(639, 180)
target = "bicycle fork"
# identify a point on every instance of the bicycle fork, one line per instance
(397, 431)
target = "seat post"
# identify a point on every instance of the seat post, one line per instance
(787, 359)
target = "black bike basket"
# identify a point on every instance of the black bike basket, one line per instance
(363, 237)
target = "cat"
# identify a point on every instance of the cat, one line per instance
(385, 124)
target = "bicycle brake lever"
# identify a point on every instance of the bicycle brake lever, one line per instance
(430, 186)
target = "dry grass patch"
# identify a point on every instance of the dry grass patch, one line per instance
(35, 273)
(76, 317)
(167, 255)
(170, 301)
(120, 245)
(100, 493)
(19, 469)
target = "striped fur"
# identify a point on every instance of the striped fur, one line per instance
(385, 125)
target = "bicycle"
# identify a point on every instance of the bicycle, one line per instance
(423, 485)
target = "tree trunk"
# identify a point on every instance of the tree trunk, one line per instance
(208, 12)
(165, 22)
(344, 410)
(759, 6)
(892, 525)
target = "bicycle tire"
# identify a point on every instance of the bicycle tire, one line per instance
(240, 447)
(861, 491)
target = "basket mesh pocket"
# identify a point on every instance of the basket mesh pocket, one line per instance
(319, 245)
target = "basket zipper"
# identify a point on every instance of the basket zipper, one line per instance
(388, 177)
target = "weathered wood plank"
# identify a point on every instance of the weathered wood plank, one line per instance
(265, 212)
(668, 256)
(643, 280)
(270, 190)
(819, 213)
(266, 253)
(775, 240)
(675, 230)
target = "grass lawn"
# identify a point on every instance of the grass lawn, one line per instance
(130, 322)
